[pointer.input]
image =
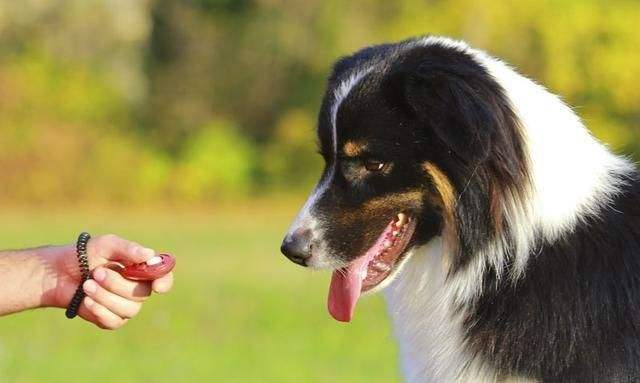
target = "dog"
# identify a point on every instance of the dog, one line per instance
(505, 237)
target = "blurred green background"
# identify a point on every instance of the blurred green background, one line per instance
(189, 126)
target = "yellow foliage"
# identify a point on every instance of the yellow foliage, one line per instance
(84, 117)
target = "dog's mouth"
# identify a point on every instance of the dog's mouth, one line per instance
(370, 269)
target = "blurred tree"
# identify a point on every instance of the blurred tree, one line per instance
(218, 164)
(221, 96)
(244, 61)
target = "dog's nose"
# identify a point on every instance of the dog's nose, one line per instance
(297, 246)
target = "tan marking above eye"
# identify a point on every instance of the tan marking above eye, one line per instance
(354, 148)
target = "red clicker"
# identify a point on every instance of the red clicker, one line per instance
(154, 268)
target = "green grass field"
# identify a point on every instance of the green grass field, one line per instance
(239, 312)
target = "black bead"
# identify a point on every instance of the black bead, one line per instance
(74, 305)
(83, 261)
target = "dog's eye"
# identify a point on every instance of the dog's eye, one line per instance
(373, 165)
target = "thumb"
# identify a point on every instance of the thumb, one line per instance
(114, 248)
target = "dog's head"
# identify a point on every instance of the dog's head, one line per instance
(409, 133)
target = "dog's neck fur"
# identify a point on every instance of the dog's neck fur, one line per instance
(428, 331)
(565, 188)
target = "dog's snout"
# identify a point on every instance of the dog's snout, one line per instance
(297, 246)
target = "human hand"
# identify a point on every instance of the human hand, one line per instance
(111, 299)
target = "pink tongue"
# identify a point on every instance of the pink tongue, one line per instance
(345, 289)
(346, 283)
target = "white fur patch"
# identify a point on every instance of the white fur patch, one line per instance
(573, 174)
(306, 220)
(339, 94)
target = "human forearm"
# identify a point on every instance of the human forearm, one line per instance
(28, 278)
(49, 276)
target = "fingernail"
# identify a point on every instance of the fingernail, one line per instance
(90, 286)
(160, 287)
(88, 302)
(147, 252)
(99, 274)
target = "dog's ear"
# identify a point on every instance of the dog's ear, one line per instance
(449, 99)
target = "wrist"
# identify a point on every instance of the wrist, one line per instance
(60, 272)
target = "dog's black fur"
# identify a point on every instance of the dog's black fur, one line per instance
(573, 314)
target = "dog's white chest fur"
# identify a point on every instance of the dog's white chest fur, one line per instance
(429, 334)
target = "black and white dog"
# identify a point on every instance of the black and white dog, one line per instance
(507, 237)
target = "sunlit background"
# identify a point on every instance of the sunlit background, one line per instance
(189, 126)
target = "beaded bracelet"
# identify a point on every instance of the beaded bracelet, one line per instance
(81, 251)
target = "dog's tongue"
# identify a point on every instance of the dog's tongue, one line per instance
(344, 292)
(346, 283)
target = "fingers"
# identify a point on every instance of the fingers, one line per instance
(117, 284)
(111, 299)
(115, 304)
(164, 284)
(99, 315)
(112, 247)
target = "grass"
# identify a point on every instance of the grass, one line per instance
(239, 312)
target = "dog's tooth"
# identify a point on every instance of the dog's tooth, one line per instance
(382, 267)
(396, 233)
(387, 244)
(402, 218)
